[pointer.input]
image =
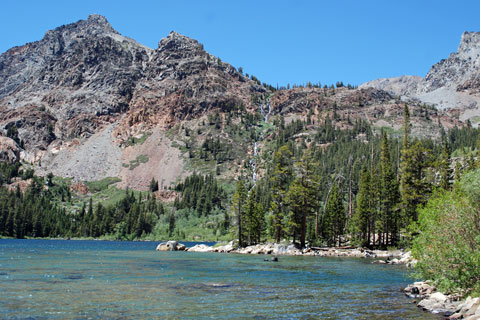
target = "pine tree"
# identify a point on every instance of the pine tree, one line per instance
(254, 219)
(388, 195)
(302, 197)
(335, 216)
(280, 180)
(443, 166)
(364, 210)
(415, 188)
(153, 185)
(239, 200)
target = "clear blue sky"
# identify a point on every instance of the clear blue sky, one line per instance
(277, 41)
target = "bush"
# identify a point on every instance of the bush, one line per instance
(448, 245)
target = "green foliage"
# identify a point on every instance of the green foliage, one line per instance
(335, 218)
(280, 180)
(389, 217)
(201, 193)
(238, 207)
(302, 197)
(254, 220)
(142, 158)
(365, 209)
(134, 140)
(100, 185)
(153, 185)
(448, 245)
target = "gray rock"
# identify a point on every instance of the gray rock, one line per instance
(171, 246)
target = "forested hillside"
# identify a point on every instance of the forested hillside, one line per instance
(317, 184)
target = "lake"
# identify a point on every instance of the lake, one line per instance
(62, 279)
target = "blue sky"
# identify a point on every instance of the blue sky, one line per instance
(280, 42)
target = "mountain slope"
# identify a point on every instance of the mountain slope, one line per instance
(452, 83)
(88, 103)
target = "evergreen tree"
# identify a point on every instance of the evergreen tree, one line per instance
(153, 185)
(254, 219)
(388, 195)
(335, 216)
(280, 180)
(239, 199)
(364, 211)
(302, 197)
(443, 166)
(415, 188)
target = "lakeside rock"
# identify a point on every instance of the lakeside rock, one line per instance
(437, 302)
(292, 250)
(171, 246)
(200, 248)
(402, 258)
(469, 309)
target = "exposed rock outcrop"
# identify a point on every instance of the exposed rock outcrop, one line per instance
(9, 150)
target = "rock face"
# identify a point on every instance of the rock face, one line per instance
(9, 150)
(181, 81)
(377, 106)
(78, 72)
(86, 73)
(461, 70)
(452, 83)
(84, 78)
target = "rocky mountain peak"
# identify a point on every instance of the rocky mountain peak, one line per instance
(98, 19)
(470, 45)
(176, 42)
(452, 83)
(94, 25)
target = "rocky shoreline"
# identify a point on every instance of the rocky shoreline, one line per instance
(436, 302)
(275, 249)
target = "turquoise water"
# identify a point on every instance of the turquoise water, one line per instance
(49, 279)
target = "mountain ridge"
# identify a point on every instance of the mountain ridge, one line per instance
(451, 83)
(82, 96)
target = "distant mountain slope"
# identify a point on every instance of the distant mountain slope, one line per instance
(452, 83)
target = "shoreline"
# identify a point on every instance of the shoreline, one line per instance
(274, 249)
(452, 306)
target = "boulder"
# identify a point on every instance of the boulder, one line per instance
(226, 248)
(469, 309)
(171, 246)
(437, 302)
(200, 248)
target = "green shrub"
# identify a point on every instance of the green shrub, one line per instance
(448, 245)
(97, 186)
